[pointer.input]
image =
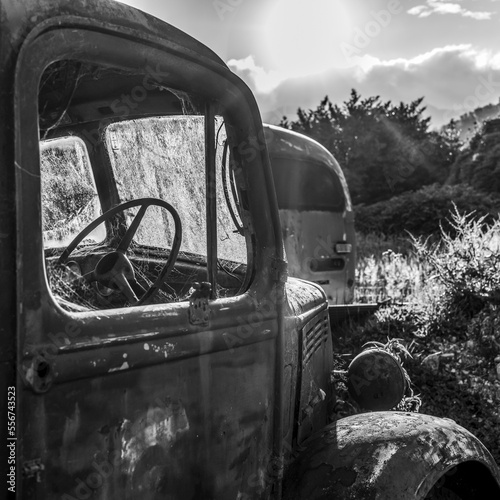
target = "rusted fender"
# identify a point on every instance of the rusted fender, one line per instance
(382, 455)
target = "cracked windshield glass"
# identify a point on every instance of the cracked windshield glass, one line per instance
(160, 158)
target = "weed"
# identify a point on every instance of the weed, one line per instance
(442, 299)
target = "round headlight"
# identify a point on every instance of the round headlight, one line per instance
(376, 380)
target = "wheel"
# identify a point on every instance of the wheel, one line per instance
(442, 493)
(114, 270)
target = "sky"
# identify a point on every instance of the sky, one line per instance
(292, 53)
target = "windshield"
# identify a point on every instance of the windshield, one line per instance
(69, 195)
(164, 157)
(135, 211)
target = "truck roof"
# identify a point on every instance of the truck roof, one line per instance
(284, 143)
(19, 17)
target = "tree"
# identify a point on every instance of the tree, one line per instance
(425, 211)
(478, 164)
(384, 149)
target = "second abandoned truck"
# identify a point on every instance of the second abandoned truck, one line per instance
(158, 351)
(316, 213)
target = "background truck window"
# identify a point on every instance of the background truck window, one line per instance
(303, 185)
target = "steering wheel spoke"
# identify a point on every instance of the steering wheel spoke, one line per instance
(124, 286)
(127, 239)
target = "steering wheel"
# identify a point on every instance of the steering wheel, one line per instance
(114, 270)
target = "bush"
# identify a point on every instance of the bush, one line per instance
(450, 323)
(478, 164)
(483, 333)
(467, 265)
(423, 212)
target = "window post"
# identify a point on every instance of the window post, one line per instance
(211, 198)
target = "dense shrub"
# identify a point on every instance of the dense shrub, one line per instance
(478, 165)
(450, 322)
(483, 332)
(467, 266)
(423, 212)
(383, 148)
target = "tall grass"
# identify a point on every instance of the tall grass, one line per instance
(464, 264)
(388, 268)
(445, 309)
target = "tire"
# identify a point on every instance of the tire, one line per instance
(442, 493)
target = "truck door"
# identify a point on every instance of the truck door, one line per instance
(147, 370)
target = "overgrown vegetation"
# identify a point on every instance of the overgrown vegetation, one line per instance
(402, 175)
(388, 274)
(467, 267)
(425, 211)
(443, 303)
(384, 148)
(440, 293)
(478, 163)
(69, 197)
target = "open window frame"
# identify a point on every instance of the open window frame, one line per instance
(223, 94)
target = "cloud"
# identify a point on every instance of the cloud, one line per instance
(420, 11)
(444, 7)
(454, 80)
(261, 80)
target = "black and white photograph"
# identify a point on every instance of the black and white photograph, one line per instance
(250, 249)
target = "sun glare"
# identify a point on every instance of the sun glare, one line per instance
(305, 37)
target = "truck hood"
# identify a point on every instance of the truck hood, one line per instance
(305, 299)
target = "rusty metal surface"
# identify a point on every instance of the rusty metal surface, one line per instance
(382, 455)
(375, 380)
(309, 238)
(305, 299)
(139, 403)
(22, 15)
(307, 363)
(180, 430)
(184, 416)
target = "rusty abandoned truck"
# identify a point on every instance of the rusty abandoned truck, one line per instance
(151, 344)
(316, 213)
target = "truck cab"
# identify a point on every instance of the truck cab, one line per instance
(316, 213)
(152, 345)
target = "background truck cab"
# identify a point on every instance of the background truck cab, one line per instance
(151, 346)
(315, 211)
